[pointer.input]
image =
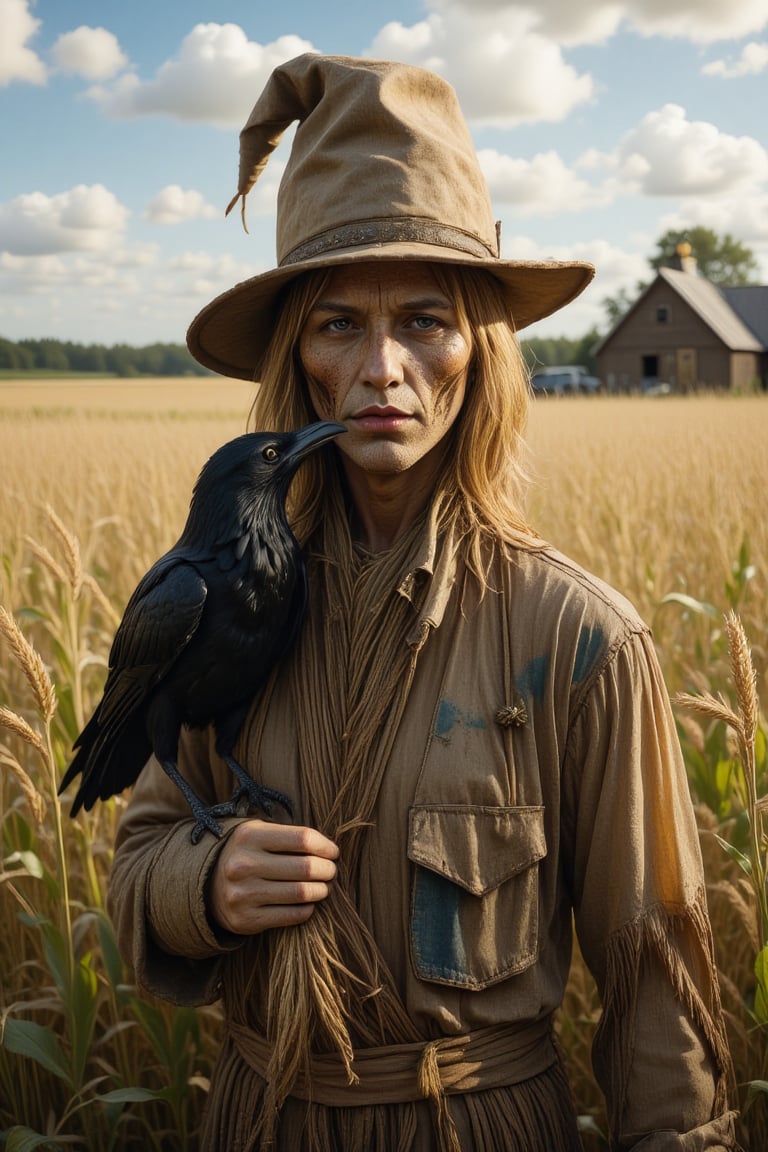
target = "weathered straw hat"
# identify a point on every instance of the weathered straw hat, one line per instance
(382, 167)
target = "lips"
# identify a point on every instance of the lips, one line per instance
(380, 410)
(377, 418)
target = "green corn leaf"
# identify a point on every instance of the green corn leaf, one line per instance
(83, 1006)
(112, 960)
(128, 1096)
(29, 860)
(743, 861)
(23, 1139)
(56, 955)
(756, 1089)
(761, 992)
(699, 606)
(155, 1029)
(21, 833)
(26, 1038)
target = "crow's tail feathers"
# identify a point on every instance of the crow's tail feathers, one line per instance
(108, 761)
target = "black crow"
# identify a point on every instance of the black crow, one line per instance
(205, 627)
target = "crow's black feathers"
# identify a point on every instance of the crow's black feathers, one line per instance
(204, 627)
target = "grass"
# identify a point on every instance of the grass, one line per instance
(662, 498)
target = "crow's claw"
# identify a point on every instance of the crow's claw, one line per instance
(260, 797)
(206, 819)
(257, 795)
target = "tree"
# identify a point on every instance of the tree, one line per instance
(616, 306)
(721, 259)
(14, 357)
(551, 350)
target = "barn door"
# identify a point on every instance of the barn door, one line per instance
(687, 369)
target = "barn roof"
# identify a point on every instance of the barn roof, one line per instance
(751, 304)
(737, 316)
(715, 310)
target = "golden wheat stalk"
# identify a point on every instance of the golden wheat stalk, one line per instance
(7, 760)
(71, 549)
(745, 682)
(46, 559)
(715, 707)
(31, 665)
(15, 723)
(101, 599)
(743, 721)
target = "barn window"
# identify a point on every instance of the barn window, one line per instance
(662, 315)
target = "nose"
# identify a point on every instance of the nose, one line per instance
(382, 361)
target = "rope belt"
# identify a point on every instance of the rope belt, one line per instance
(492, 1057)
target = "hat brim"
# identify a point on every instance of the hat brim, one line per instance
(230, 335)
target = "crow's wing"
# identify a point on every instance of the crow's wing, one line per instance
(159, 621)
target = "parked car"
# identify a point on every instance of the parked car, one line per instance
(568, 379)
(651, 386)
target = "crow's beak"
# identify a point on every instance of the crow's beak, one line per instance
(307, 439)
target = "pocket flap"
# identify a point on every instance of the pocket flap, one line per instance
(476, 847)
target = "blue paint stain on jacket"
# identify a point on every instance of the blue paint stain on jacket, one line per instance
(449, 715)
(587, 650)
(532, 680)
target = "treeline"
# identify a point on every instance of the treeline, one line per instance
(117, 360)
(543, 351)
(175, 359)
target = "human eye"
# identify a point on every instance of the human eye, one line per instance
(338, 324)
(425, 323)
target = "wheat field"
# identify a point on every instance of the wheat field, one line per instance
(663, 498)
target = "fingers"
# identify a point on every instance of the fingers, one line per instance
(270, 875)
(284, 838)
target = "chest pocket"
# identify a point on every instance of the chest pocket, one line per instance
(475, 891)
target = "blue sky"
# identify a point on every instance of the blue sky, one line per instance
(599, 124)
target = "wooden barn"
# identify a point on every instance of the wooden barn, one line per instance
(685, 334)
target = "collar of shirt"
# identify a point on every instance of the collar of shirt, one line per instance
(435, 561)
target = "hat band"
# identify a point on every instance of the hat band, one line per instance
(369, 232)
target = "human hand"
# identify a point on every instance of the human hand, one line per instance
(269, 876)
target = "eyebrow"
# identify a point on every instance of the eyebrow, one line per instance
(418, 304)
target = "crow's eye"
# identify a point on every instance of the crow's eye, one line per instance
(270, 454)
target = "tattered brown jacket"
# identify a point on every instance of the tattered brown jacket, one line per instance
(535, 782)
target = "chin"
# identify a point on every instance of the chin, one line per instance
(379, 458)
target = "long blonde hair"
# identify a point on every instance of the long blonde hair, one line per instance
(481, 488)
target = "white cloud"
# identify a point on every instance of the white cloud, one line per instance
(745, 217)
(93, 53)
(173, 204)
(41, 275)
(41, 295)
(701, 21)
(542, 186)
(615, 267)
(17, 61)
(504, 72)
(202, 273)
(215, 79)
(79, 220)
(753, 59)
(137, 256)
(586, 22)
(595, 21)
(669, 155)
(29, 274)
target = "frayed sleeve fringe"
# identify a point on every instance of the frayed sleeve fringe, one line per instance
(656, 934)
